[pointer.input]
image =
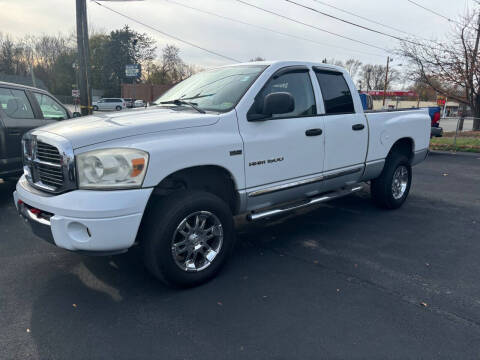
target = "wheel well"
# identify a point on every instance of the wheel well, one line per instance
(210, 178)
(403, 146)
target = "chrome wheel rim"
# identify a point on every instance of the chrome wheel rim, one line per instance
(197, 241)
(400, 181)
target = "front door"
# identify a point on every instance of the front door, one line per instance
(284, 147)
(18, 117)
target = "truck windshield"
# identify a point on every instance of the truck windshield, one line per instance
(214, 90)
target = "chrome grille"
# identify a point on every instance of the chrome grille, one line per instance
(48, 153)
(50, 170)
(50, 175)
(49, 162)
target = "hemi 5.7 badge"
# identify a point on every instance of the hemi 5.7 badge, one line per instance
(263, 162)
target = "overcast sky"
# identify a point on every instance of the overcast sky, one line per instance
(22, 17)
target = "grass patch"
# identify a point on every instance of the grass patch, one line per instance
(468, 141)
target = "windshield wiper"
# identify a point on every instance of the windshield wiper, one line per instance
(180, 102)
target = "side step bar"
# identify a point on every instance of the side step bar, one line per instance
(323, 198)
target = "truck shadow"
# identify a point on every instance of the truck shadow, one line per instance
(112, 307)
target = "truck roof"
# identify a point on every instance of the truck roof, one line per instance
(281, 63)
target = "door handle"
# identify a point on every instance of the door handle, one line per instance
(13, 132)
(313, 132)
(357, 127)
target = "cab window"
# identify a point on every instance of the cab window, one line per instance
(51, 109)
(15, 104)
(336, 93)
(298, 84)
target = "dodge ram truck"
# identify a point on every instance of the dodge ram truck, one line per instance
(254, 140)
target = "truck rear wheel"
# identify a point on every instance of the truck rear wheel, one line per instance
(391, 188)
(188, 238)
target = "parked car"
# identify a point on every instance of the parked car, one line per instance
(109, 104)
(23, 108)
(139, 103)
(129, 102)
(436, 130)
(255, 139)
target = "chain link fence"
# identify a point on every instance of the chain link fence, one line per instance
(458, 135)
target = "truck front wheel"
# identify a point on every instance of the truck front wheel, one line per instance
(189, 237)
(391, 188)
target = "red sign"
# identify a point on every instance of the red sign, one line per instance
(392, 93)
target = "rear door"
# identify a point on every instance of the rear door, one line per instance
(346, 131)
(18, 117)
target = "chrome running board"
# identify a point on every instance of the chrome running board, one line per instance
(316, 200)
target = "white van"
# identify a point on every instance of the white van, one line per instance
(109, 104)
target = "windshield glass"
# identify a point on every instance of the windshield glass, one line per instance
(215, 90)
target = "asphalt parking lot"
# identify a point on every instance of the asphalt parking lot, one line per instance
(345, 280)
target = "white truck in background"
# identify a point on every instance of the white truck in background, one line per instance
(257, 139)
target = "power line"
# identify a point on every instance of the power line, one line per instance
(351, 23)
(167, 34)
(434, 12)
(363, 17)
(312, 26)
(267, 29)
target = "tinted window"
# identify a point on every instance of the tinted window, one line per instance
(335, 92)
(51, 109)
(299, 85)
(15, 104)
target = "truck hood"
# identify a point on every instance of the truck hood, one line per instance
(99, 128)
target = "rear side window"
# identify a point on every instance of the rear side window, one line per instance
(299, 85)
(15, 104)
(336, 93)
(51, 109)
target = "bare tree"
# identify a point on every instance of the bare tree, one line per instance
(373, 76)
(353, 66)
(170, 70)
(450, 67)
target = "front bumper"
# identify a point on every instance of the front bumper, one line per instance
(84, 220)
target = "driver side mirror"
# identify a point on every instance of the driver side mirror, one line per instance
(273, 104)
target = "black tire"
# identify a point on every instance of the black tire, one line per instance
(118, 108)
(163, 219)
(95, 108)
(381, 188)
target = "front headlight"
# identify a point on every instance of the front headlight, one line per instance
(111, 168)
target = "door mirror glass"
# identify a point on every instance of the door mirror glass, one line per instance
(76, 114)
(278, 103)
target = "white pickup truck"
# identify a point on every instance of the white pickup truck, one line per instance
(255, 139)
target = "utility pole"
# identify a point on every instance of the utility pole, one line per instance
(386, 81)
(476, 122)
(33, 75)
(83, 58)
